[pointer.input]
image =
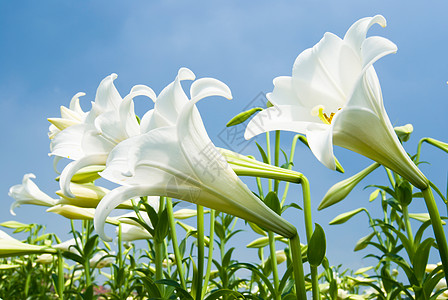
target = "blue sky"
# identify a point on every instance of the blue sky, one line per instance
(50, 50)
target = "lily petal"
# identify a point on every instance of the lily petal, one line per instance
(75, 166)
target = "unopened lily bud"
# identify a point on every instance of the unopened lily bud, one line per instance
(431, 267)
(77, 213)
(404, 132)
(340, 190)
(86, 195)
(14, 248)
(44, 259)
(185, 213)
(87, 174)
(100, 261)
(131, 233)
(441, 145)
(280, 255)
(264, 241)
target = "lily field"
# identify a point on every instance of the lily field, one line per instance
(131, 175)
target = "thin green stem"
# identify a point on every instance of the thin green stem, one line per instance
(390, 176)
(60, 275)
(268, 154)
(158, 260)
(274, 264)
(407, 224)
(177, 256)
(210, 251)
(437, 228)
(276, 157)
(309, 232)
(291, 160)
(297, 262)
(200, 227)
(120, 248)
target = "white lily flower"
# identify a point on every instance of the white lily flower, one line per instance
(131, 233)
(100, 261)
(68, 245)
(334, 97)
(89, 140)
(29, 193)
(69, 116)
(176, 158)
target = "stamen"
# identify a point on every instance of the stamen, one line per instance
(318, 111)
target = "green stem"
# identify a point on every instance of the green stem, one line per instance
(158, 249)
(120, 249)
(177, 256)
(437, 228)
(299, 277)
(210, 252)
(87, 272)
(291, 159)
(309, 232)
(274, 264)
(390, 176)
(60, 275)
(200, 226)
(407, 224)
(276, 157)
(268, 154)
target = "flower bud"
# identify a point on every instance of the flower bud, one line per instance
(340, 190)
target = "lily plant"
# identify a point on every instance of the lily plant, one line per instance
(177, 159)
(334, 97)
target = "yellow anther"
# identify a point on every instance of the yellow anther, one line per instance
(318, 111)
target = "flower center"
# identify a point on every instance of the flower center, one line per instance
(318, 111)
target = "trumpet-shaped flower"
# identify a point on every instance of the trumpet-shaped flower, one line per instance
(29, 193)
(131, 233)
(334, 97)
(176, 158)
(91, 136)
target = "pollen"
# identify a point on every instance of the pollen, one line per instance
(318, 111)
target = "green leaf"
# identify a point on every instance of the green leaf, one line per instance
(363, 242)
(229, 294)
(293, 205)
(317, 246)
(272, 201)
(342, 218)
(90, 246)
(161, 231)
(404, 192)
(421, 258)
(180, 292)
(243, 116)
(263, 154)
(74, 257)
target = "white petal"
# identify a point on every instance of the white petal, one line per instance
(141, 90)
(283, 117)
(107, 96)
(283, 93)
(75, 166)
(206, 87)
(171, 101)
(357, 33)
(320, 140)
(74, 103)
(145, 121)
(319, 76)
(68, 142)
(374, 48)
